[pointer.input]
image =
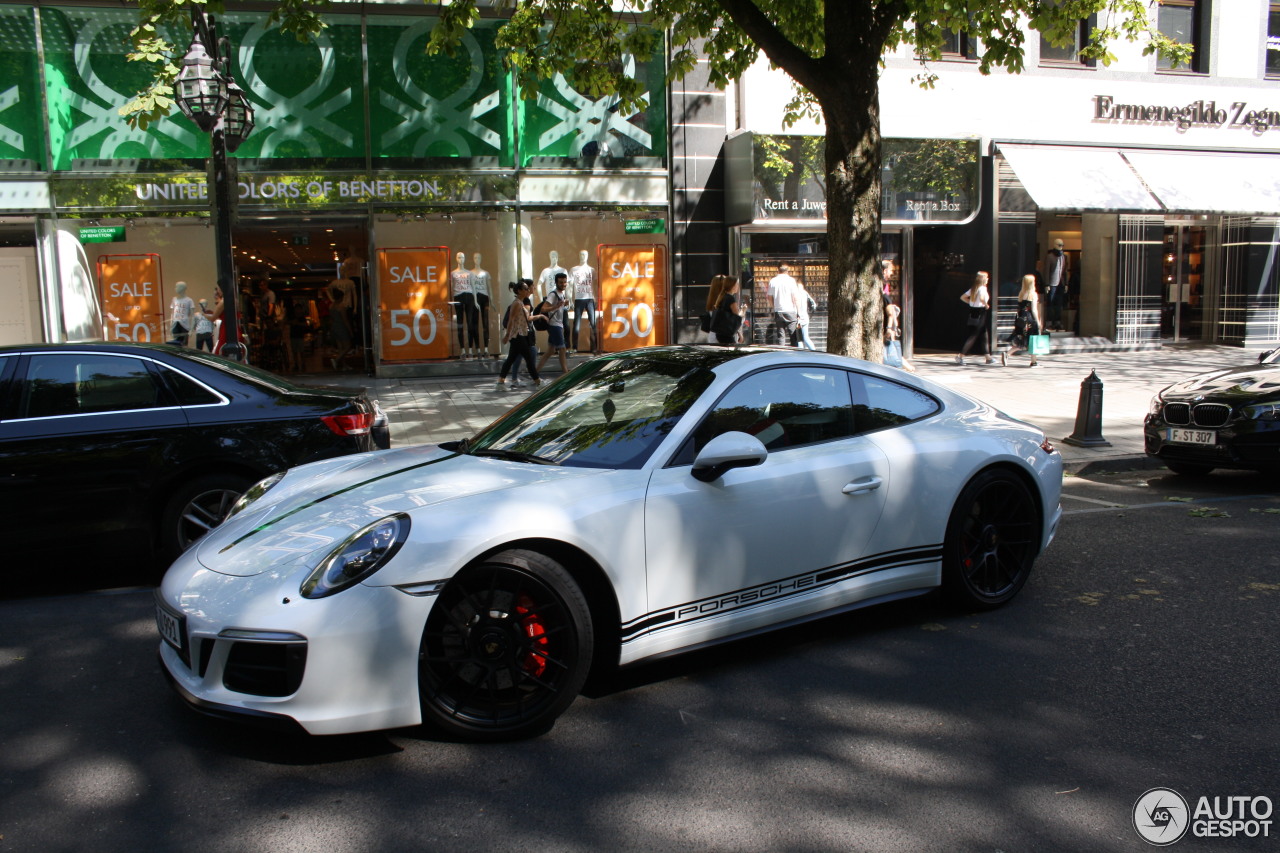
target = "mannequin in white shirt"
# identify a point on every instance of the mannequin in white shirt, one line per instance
(547, 278)
(582, 283)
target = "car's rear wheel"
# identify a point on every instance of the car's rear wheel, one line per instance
(992, 540)
(196, 507)
(505, 650)
(1188, 469)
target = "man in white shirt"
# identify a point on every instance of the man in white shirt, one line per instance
(784, 295)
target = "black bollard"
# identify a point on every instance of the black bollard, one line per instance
(1088, 431)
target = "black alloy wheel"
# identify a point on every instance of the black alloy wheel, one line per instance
(992, 539)
(506, 649)
(197, 507)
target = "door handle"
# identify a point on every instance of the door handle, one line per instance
(862, 486)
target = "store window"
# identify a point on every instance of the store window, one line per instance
(444, 279)
(1273, 41)
(615, 264)
(1184, 21)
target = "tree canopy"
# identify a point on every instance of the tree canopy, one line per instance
(588, 41)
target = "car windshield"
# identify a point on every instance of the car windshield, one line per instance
(611, 412)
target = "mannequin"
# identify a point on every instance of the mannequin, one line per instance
(1057, 271)
(352, 270)
(464, 302)
(582, 281)
(480, 287)
(182, 310)
(547, 278)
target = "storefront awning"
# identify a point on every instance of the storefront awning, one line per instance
(1061, 178)
(1137, 180)
(1204, 182)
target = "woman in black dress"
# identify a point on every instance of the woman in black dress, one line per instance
(1027, 323)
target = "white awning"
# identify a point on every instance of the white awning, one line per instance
(1063, 178)
(1203, 182)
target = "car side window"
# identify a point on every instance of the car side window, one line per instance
(784, 407)
(83, 383)
(880, 403)
(187, 390)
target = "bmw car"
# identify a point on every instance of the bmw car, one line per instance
(138, 449)
(1220, 419)
(645, 503)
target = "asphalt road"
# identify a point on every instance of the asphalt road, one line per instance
(1142, 653)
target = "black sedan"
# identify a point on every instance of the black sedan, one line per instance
(135, 450)
(1221, 419)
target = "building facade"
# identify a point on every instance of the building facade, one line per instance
(1163, 184)
(421, 184)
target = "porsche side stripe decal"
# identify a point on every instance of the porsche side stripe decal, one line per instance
(774, 591)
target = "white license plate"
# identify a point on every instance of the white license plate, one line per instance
(1178, 435)
(170, 627)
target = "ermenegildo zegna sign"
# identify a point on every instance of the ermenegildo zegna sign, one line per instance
(1199, 113)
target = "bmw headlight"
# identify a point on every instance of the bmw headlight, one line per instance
(1262, 412)
(359, 556)
(1154, 409)
(255, 491)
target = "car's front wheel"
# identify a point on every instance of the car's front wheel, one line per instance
(991, 542)
(196, 507)
(505, 650)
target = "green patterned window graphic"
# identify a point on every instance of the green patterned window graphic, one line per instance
(87, 79)
(564, 127)
(21, 117)
(308, 97)
(440, 106)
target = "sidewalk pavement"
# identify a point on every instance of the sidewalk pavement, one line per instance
(436, 409)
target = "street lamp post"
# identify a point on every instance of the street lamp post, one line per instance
(207, 95)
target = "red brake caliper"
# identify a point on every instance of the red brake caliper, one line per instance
(533, 663)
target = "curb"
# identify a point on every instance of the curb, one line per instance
(1113, 465)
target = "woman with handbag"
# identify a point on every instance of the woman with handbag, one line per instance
(726, 322)
(1026, 324)
(978, 299)
(517, 329)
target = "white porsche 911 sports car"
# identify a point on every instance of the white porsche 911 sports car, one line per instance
(647, 502)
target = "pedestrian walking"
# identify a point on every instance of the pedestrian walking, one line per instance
(1026, 323)
(978, 298)
(805, 305)
(783, 295)
(726, 322)
(517, 330)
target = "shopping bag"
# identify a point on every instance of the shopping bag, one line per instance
(1038, 344)
(893, 353)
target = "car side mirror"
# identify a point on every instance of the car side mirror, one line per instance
(727, 451)
(1269, 356)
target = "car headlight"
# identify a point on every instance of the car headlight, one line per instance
(1262, 412)
(255, 491)
(359, 556)
(1154, 408)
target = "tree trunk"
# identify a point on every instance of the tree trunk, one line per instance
(855, 323)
